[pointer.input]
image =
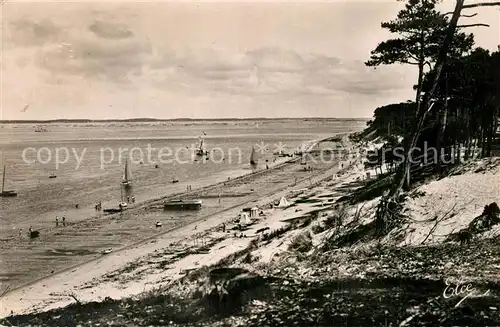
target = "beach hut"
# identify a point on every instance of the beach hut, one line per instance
(283, 203)
(254, 212)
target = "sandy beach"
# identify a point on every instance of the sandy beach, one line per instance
(93, 276)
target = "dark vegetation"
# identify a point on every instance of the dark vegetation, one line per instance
(456, 109)
(399, 290)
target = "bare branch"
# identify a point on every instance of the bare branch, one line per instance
(413, 57)
(78, 302)
(481, 4)
(473, 25)
(436, 224)
(466, 16)
(411, 63)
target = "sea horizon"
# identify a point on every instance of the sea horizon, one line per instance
(147, 120)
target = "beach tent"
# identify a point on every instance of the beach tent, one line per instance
(244, 219)
(283, 203)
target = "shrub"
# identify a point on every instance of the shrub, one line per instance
(302, 243)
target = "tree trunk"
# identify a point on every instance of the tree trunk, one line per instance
(422, 106)
(490, 139)
(442, 130)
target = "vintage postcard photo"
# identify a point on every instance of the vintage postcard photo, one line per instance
(250, 163)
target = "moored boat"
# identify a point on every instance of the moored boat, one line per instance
(112, 210)
(4, 193)
(201, 151)
(182, 205)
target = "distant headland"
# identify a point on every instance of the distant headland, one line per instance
(153, 120)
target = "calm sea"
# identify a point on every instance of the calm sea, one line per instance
(89, 159)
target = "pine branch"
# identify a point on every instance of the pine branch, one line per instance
(481, 4)
(466, 16)
(473, 25)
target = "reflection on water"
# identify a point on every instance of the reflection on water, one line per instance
(91, 167)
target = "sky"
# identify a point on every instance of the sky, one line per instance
(119, 59)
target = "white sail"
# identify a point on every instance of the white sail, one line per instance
(253, 160)
(201, 144)
(126, 174)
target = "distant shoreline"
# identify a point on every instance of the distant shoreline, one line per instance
(153, 120)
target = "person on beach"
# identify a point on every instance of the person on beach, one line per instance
(31, 229)
(133, 199)
(223, 227)
(64, 221)
(20, 232)
(57, 221)
(128, 199)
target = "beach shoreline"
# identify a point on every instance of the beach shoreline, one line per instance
(241, 202)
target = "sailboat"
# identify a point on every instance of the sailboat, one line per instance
(5, 193)
(126, 182)
(253, 161)
(123, 204)
(201, 152)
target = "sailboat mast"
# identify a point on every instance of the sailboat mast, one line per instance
(3, 178)
(125, 175)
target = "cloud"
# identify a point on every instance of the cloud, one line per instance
(111, 31)
(26, 32)
(105, 50)
(91, 58)
(98, 60)
(114, 52)
(267, 71)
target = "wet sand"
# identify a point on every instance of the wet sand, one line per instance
(266, 187)
(25, 260)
